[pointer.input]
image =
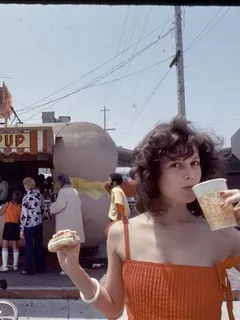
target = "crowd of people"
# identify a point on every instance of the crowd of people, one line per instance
(25, 212)
(24, 216)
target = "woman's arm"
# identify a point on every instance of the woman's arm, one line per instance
(24, 212)
(111, 300)
(231, 197)
(3, 209)
(59, 204)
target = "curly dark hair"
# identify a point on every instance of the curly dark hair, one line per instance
(116, 177)
(172, 140)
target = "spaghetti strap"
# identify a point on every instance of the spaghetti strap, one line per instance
(126, 238)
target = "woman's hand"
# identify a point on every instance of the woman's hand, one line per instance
(22, 234)
(231, 197)
(68, 258)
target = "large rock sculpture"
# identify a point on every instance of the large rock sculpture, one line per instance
(88, 154)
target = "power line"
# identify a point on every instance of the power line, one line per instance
(104, 75)
(100, 66)
(196, 40)
(133, 73)
(110, 81)
(144, 26)
(130, 39)
(199, 34)
(190, 46)
(121, 37)
(140, 77)
(150, 97)
(37, 113)
(125, 74)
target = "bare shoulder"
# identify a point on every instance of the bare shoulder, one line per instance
(227, 239)
(139, 220)
(115, 230)
(231, 238)
(231, 235)
(115, 240)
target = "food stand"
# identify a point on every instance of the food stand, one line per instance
(23, 150)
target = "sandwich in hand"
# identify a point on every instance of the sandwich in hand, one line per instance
(64, 238)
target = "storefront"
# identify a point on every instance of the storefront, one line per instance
(23, 151)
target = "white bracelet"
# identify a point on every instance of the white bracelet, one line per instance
(96, 296)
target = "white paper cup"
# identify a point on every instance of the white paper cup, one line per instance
(208, 196)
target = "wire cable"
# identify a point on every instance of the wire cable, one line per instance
(197, 39)
(133, 73)
(111, 81)
(100, 66)
(116, 93)
(112, 70)
(150, 98)
(121, 38)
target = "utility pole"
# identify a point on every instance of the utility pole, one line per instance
(105, 110)
(179, 62)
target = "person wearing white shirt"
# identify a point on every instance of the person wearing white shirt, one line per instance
(3, 190)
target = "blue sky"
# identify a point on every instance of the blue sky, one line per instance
(45, 48)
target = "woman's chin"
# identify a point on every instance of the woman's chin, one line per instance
(190, 199)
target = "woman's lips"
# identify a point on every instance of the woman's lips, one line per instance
(189, 188)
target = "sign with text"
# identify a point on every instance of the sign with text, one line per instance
(15, 140)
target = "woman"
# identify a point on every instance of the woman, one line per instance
(11, 230)
(166, 263)
(32, 228)
(68, 208)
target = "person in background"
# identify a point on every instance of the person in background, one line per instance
(3, 190)
(119, 206)
(50, 187)
(32, 228)
(41, 183)
(11, 230)
(46, 205)
(68, 208)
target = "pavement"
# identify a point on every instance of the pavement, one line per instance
(50, 284)
(47, 285)
(75, 309)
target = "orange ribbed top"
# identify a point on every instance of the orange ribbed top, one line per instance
(157, 291)
(12, 213)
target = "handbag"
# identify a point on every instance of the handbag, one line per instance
(46, 211)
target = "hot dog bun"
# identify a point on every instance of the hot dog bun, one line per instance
(63, 238)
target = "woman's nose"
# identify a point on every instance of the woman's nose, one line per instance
(189, 174)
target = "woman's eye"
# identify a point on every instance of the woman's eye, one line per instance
(175, 165)
(196, 163)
